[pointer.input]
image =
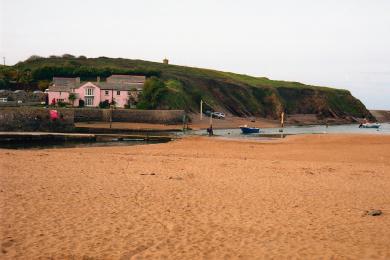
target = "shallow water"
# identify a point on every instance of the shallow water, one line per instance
(293, 130)
(265, 133)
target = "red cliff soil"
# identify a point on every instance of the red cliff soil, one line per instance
(300, 197)
(381, 115)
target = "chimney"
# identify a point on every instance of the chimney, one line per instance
(165, 61)
(98, 79)
(78, 80)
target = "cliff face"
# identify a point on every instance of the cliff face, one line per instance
(240, 95)
(325, 103)
(381, 115)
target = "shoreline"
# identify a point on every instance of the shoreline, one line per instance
(219, 124)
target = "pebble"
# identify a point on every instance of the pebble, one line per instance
(374, 212)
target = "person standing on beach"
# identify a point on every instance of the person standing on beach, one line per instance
(210, 130)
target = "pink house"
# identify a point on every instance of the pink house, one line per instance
(118, 89)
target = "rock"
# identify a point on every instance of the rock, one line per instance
(176, 178)
(374, 212)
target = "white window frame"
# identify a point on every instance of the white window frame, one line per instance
(89, 101)
(4, 100)
(89, 92)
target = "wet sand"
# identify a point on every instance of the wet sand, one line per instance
(300, 197)
(196, 124)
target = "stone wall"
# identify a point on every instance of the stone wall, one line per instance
(35, 119)
(23, 96)
(87, 114)
(38, 119)
(148, 116)
(129, 115)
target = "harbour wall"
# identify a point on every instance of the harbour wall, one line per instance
(129, 115)
(35, 119)
(38, 119)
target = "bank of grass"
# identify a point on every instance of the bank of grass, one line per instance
(184, 87)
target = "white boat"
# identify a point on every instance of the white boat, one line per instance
(370, 125)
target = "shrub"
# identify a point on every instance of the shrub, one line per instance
(66, 55)
(43, 84)
(61, 104)
(154, 91)
(34, 57)
(72, 98)
(104, 104)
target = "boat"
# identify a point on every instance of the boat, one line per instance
(370, 125)
(249, 130)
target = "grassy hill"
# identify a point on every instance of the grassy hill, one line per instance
(181, 87)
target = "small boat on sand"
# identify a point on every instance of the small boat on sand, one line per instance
(370, 125)
(249, 130)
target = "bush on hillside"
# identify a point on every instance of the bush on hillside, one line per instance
(153, 92)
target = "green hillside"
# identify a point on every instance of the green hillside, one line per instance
(180, 87)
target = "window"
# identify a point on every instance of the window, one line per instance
(89, 101)
(106, 92)
(118, 93)
(129, 93)
(3, 99)
(60, 100)
(89, 92)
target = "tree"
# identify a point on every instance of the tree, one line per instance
(43, 84)
(34, 57)
(3, 84)
(153, 92)
(72, 97)
(66, 55)
(131, 101)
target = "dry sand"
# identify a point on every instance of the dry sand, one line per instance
(301, 197)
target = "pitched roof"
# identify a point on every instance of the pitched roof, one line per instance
(116, 86)
(55, 88)
(101, 85)
(126, 78)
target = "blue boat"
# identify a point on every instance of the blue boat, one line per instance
(249, 130)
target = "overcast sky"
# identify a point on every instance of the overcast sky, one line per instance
(337, 43)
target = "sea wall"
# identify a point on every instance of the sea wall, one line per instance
(129, 115)
(35, 119)
(38, 119)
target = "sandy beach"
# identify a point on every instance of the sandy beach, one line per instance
(199, 198)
